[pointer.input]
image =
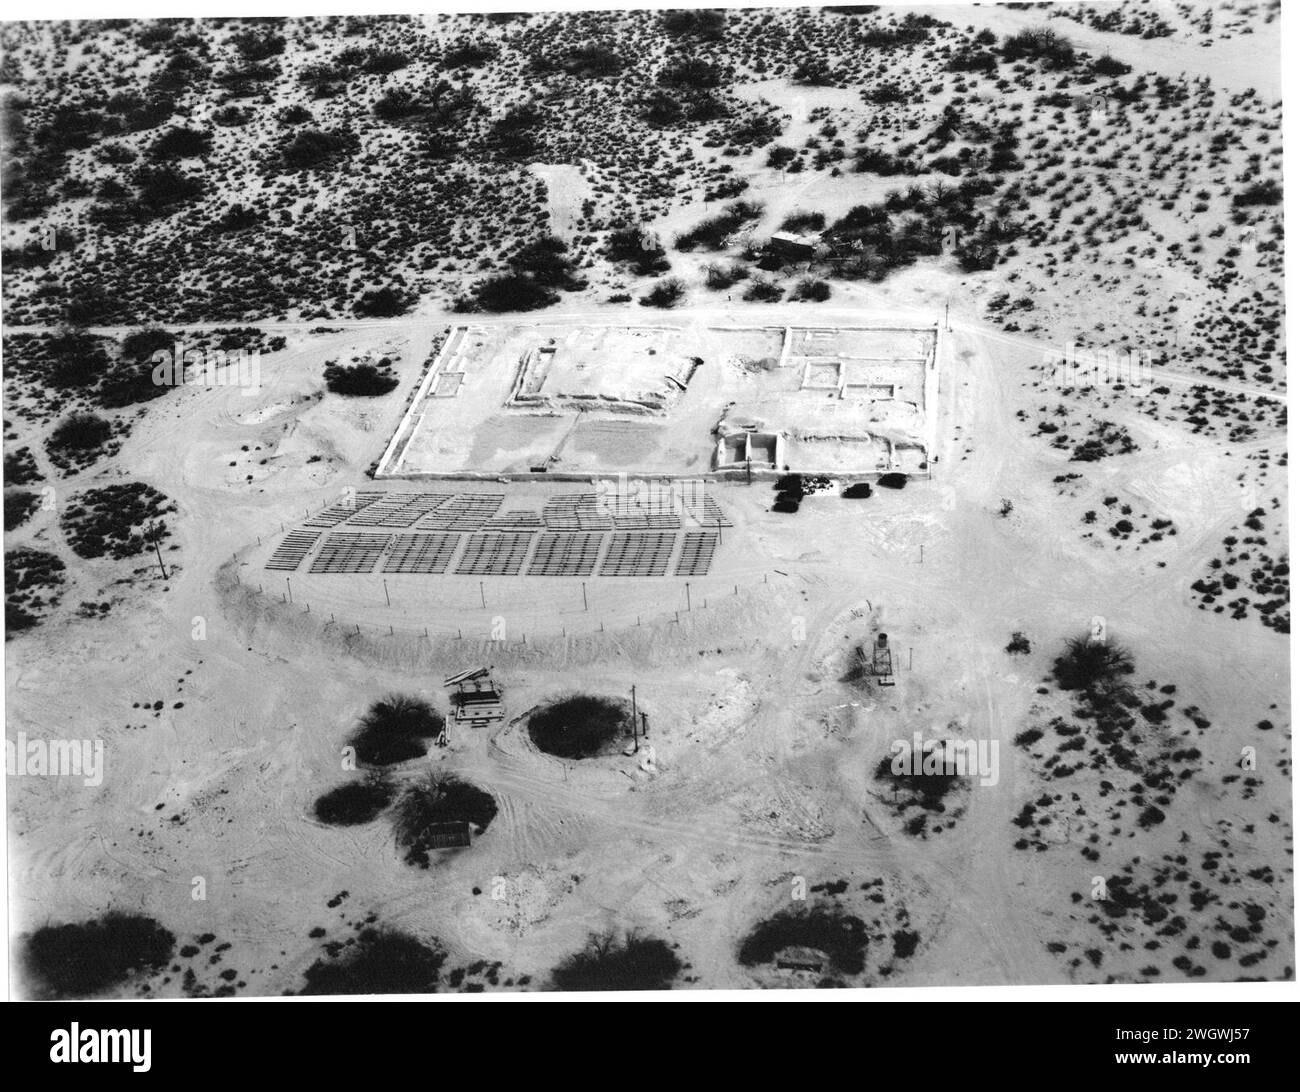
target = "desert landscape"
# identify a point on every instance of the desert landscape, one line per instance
(635, 500)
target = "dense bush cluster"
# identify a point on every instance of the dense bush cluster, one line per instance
(81, 959)
(117, 521)
(33, 579)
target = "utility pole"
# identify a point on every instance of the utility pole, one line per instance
(635, 745)
(584, 595)
(386, 599)
(290, 587)
(688, 597)
(154, 533)
(481, 596)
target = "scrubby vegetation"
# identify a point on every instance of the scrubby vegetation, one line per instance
(19, 507)
(20, 467)
(33, 583)
(355, 802)
(395, 729)
(581, 726)
(632, 962)
(82, 959)
(113, 519)
(436, 800)
(841, 937)
(923, 790)
(1089, 663)
(364, 380)
(383, 960)
(78, 440)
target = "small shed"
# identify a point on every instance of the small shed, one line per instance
(790, 247)
(797, 958)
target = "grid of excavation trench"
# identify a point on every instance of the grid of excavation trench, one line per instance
(473, 534)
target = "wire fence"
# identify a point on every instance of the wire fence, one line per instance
(503, 611)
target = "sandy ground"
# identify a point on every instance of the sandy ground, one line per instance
(764, 755)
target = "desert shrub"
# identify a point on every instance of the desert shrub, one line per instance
(547, 261)
(718, 276)
(1259, 193)
(382, 961)
(691, 73)
(142, 344)
(1106, 65)
(79, 433)
(905, 943)
(364, 380)
(77, 359)
(713, 233)
(588, 61)
(385, 302)
(1019, 643)
(537, 270)
(803, 222)
(160, 191)
(892, 481)
(181, 142)
(467, 54)
(779, 157)
(231, 116)
(439, 798)
(812, 289)
(840, 936)
(258, 44)
(1028, 737)
(871, 160)
(397, 103)
(82, 959)
(915, 787)
(666, 293)
(1040, 44)
(513, 292)
(110, 520)
(33, 582)
(395, 729)
(1087, 663)
(355, 802)
(580, 726)
(380, 62)
(762, 290)
(19, 506)
(130, 380)
(607, 963)
(706, 24)
(633, 247)
(311, 148)
(20, 467)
